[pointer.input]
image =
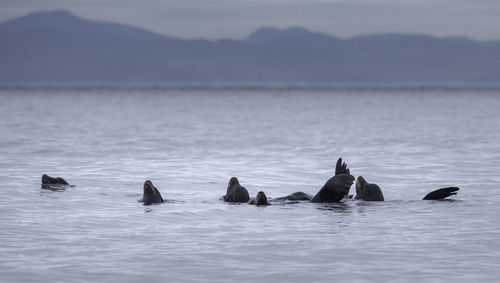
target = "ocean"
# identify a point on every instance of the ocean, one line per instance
(190, 141)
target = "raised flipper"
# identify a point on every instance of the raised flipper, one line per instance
(337, 187)
(341, 167)
(441, 193)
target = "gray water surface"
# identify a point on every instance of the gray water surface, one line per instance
(190, 142)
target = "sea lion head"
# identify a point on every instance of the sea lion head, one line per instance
(151, 193)
(148, 187)
(234, 181)
(261, 199)
(368, 191)
(360, 185)
(45, 179)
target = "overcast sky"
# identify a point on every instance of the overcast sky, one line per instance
(479, 19)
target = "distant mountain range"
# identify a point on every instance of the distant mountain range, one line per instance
(57, 47)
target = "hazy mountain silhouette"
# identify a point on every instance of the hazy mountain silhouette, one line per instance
(57, 47)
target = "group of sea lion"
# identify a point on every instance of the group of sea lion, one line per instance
(335, 190)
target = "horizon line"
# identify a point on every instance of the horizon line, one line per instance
(248, 86)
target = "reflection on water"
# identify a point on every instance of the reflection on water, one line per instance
(190, 142)
(55, 187)
(340, 207)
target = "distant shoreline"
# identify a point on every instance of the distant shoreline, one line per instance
(57, 49)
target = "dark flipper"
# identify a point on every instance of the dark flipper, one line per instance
(338, 167)
(335, 189)
(441, 193)
(341, 167)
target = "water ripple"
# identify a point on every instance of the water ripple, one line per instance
(189, 143)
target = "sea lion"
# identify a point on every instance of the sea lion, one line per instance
(236, 192)
(441, 193)
(151, 194)
(337, 187)
(260, 199)
(47, 180)
(294, 197)
(367, 191)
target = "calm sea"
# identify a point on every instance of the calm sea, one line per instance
(189, 143)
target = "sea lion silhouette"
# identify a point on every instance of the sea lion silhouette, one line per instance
(151, 194)
(367, 191)
(260, 199)
(47, 180)
(235, 192)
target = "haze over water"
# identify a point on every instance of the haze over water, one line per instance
(189, 143)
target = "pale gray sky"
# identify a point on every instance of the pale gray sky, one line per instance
(478, 19)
